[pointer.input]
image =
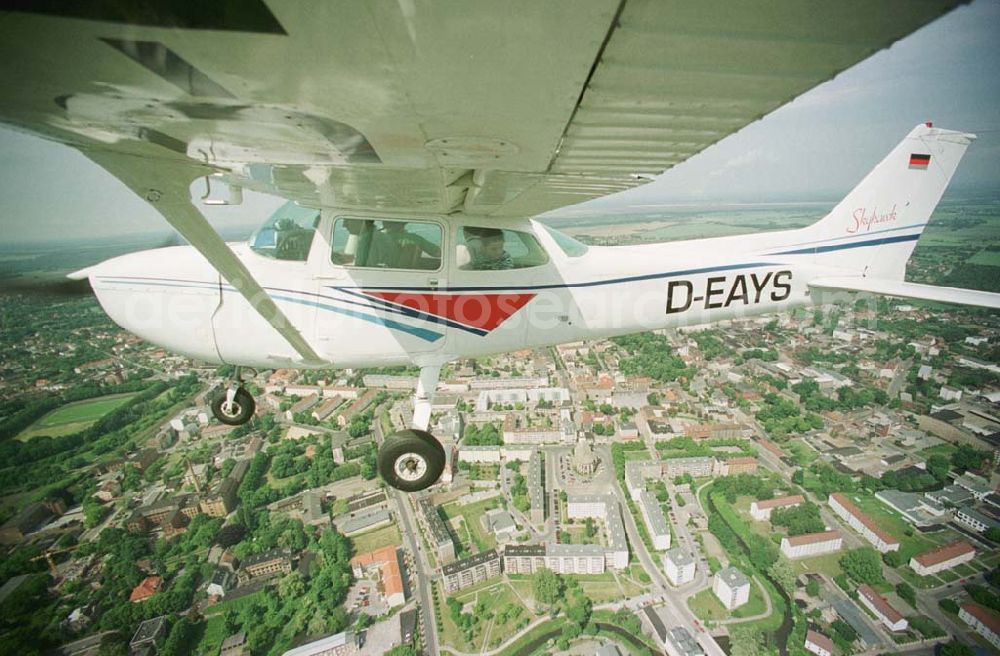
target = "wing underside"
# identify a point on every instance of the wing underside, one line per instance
(425, 106)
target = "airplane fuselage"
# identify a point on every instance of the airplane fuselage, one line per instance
(376, 317)
(366, 288)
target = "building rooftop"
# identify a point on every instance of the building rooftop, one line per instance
(984, 615)
(733, 577)
(148, 629)
(858, 621)
(868, 522)
(946, 415)
(657, 622)
(679, 557)
(812, 538)
(233, 641)
(575, 550)
(328, 645)
(658, 523)
(881, 605)
(524, 550)
(364, 519)
(684, 642)
(820, 640)
(434, 522)
(471, 561)
(149, 586)
(500, 521)
(780, 502)
(945, 553)
(267, 556)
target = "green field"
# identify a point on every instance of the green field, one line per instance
(495, 601)
(985, 258)
(827, 564)
(73, 417)
(372, 540)
(471, 533)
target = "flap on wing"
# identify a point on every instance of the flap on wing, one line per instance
(909, 290)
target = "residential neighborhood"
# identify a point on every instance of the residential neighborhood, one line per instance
(817, 483)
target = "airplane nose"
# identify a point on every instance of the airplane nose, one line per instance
(167, 296)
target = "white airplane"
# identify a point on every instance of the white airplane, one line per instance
(414, 141)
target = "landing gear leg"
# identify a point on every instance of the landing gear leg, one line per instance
(235, 406)
(413, 459)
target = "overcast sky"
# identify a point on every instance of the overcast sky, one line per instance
(815, 148)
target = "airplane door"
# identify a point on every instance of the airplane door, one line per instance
(495, 276)
(377, 291)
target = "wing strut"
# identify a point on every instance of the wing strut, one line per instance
(167, 188)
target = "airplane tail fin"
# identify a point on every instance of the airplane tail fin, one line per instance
(873, 231)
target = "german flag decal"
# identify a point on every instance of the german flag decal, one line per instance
(919, 161)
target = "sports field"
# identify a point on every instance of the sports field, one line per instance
(73, 417)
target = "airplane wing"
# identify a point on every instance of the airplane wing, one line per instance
(425, 106)
(415, 105)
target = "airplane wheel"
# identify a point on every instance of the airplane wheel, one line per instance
(239, 412)
(411, 460)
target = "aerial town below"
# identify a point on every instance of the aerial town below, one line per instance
(823, 482)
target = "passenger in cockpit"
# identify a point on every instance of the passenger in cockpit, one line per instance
(486, 249)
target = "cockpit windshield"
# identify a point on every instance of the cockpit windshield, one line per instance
(288, 234)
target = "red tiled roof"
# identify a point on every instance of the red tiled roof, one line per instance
(984, 615)
(780, 501)
(863, 518)
(820, 640)
(811, 538)
(881, 605)
(945, 553)
(392, 578)
(745, 460)
(149, 586)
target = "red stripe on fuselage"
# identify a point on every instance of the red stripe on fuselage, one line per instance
(484, 311)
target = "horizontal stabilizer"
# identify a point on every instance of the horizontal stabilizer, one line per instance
(908, 290)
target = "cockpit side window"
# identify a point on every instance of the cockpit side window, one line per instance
(287, 234)
(492, 249)
(386, 244)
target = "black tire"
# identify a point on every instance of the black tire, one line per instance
(241, 411)
(424, 452)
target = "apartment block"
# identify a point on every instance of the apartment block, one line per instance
(983, 621)
(732, 587)
(877, 604)
(811, 544)
(862, 523)
(761, 510)
(680, 566)
(942, 558)
(656, 522)
(437, 532)
(470, 571)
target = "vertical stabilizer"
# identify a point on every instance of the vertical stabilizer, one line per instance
(873, 231)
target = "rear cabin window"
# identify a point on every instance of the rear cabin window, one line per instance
(386, 244)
